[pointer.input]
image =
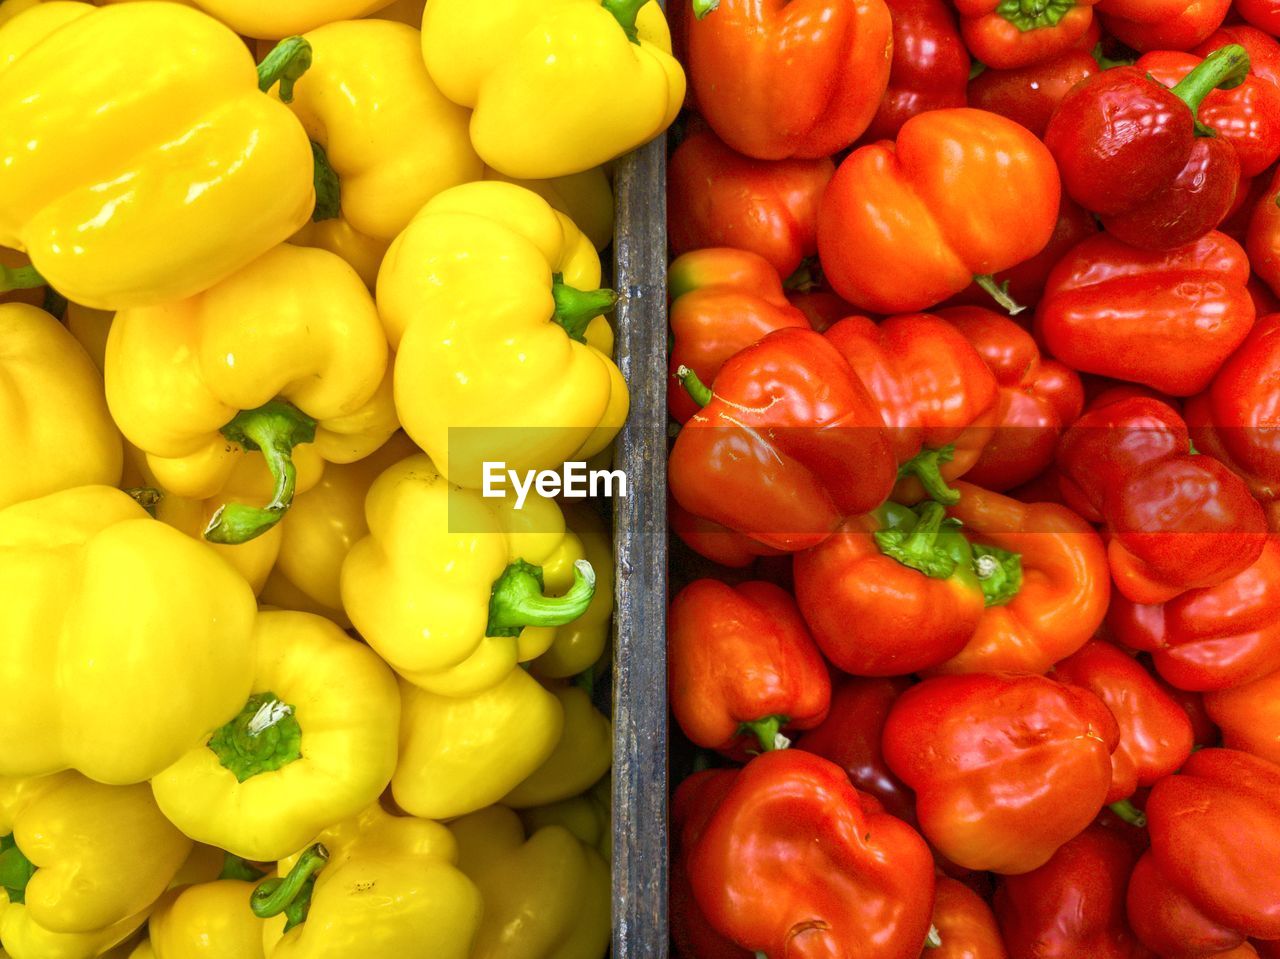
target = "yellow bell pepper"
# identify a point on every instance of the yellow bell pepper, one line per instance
(139, 162)
(586, 198)
(386, 139)
(57, 431)
(557, 86)
(90, 328)
(378, 886)
(288, 352)
(448, 586)
(460, 755)
(489, 298)
(545, 897)
(284, 18)
(363, 253)
(210, 920)
(402, 11)
(323, 524)
(589, 817)
(80, 864)
(314, 744)
(583, 754)
(579, 645)
(126, 642)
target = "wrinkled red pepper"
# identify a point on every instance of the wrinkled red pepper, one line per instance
(1028, 95)
(1249, 716)
(722, 301)
(770, 453)
(1005, 768)
(1039, 398)
(930, 65)
(717, 197)
(1209, 881)
(935, 393)
(796, 862)
(789, 78)
(1006, 35)
(1168, 319)
(1131, 150)
(1162, 24)
(742, 666)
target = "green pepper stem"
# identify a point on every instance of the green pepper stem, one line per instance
(926, 466)
(698, 391)
(1129, 813)
(703, 7)
(517, 600)
(1034, 14)
(768, 731)
(918, 548)
(285, 64)
(16, 870)
(292, 894)
(275, 428)
(625, 12)
(263, 737)
(575, 309)
(1223, 69)
(233, 867)
(999, 292)
(19, 278)
(999, 574)
(328, 186)
(934, 939)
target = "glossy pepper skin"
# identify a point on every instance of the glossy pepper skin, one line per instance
(962, 193)
(1039, 398)
(1262, 239)
(455, 612)
(935, 393)
(1263, 14)
(743, 55)
(607, 67)
(1175, 520)
(1006, 35)
(1249, 716)
(53, 415)
(891, 592)
(1128, 149)
(315, 743)
(1162, 24)
(1208, 881)
(141, 139)
(537, 386)
(1155, 732)
(930, 66)
(767, 455)
(965, 924)
(722, 301)
(208, 920)
(719, 198)
(1168, 320)
(547, 894)
(1212, 638)
(794, 861)
(284, 19)
(1005, 768)
(81, 672)
(1043, 573)
(585, 198)
(286, 356)
(742, 665)
(1073, 905)
(81, 864)
(1029, 94)
(379, 866)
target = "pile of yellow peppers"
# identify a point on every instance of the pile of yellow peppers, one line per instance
(277, 280)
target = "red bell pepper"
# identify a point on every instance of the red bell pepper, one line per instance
(1043, 573)
(742, 666)
(722, 301)
(1175, 520)
(787, 444)
(713, 541)
(1168, 320)
(1006, 36)
(1209, 880)
(822, 308)
(965, 925)
(935, 392)
(1213, 638)
(1162, 24)
(930, 65)
(1028, 95)
(1155, 733)
(1263, 14)
(892, 592)
(795, 862)
(1073, 906)
(716, 197)
(1249, 716)
(1263, 50)
(1128, 149)
(789, 78)
(1005, 768)
(1039, 398)
(961, 195)
(850, 738)
(1263, 237)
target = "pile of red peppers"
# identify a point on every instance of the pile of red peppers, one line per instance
(974, 638)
